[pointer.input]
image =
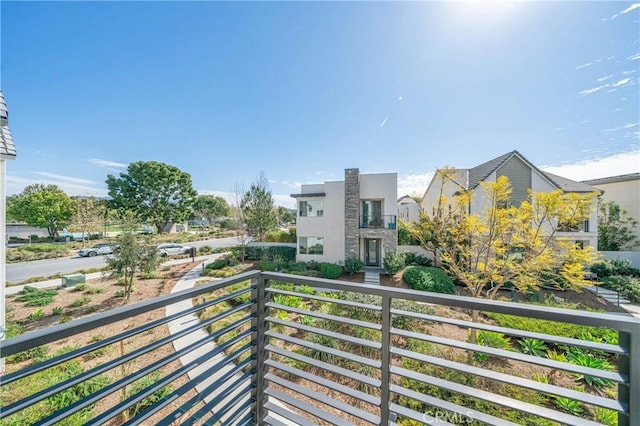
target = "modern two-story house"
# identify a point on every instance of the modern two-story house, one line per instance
(355, 217)
(523, 176)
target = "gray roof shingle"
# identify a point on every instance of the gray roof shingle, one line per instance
(7, 147)
(568, 185)
(613, 179)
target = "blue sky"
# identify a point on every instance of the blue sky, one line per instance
(302, 90)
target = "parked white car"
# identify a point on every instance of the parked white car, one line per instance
(170, 249)
(102, 248)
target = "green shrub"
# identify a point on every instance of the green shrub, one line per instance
(412, 259)
(533, 347)
(428, 279)
(630, 286)
(142, 384)
(280, 236)
(35, 297)
(353, 265)
(95, 290)
(80, 287)
(120, 293)
(393, 263)
(36, 314)
(219, 263)
(330, 271)
(579, 357)
(80, 301)
(58, 310)
(205, 250)
(553, 328)
(284, 253)
(37, 354)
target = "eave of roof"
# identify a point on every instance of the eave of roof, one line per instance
(310, 194)
(613, 179)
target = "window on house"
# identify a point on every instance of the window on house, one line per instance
(311, 245)
(311, 208)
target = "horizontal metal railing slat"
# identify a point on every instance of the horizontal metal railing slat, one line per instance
(322, 315)
(325, 366)
(199, 396)
(113, 387)
(607, 320)
(326, 299)
(517, 356)
(354, 393)
(513, 380)
(451, 407)
(504, 401)
(61, 331)
(323, 399)
(307, 408)
(332, 334)
(586, 344)
(286, 414)
(342, 354)
(420, 417)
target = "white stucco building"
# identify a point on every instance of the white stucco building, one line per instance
(523, 176)
(408, 209)
(624, 190)
(7, 152)
(355, 217)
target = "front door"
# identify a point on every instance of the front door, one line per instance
(372, 252)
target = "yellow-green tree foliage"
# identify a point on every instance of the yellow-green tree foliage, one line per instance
(517, 244)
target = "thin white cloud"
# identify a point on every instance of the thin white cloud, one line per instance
(623, 127)
(294, 185)
(70, 185)
(384, 121)
(627, 10)
(400, 98)
(592, 90)
(619, 83)
(614, 165)
(606, 77)
(634, 57)
(588, 64)
(107, 163)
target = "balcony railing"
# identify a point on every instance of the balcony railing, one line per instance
(378, 221)
(283, 349)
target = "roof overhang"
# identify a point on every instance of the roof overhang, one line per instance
(310, 194)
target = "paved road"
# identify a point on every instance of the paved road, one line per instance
(17, 272)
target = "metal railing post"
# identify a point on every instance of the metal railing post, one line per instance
(259, 325)
(629, 365)
(385, 376)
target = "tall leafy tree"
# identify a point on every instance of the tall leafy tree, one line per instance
(209, 208)
(44, 206)
(285, 215)
(514, 244)
(616, 229)
(257, 208)
(89, 215)
(135, 253)
(156, 192)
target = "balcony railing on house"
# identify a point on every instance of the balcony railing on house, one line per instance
(277, 349)
(378, 221)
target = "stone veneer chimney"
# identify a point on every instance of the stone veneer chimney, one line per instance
(351, 213)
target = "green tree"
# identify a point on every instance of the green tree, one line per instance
(89, 215)
(257, 208)
(284, 215)
(513, 244)
(430, 231)
(616, 229)
(135, 253)
(156, 192)
(208, 208)
(44, 206)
